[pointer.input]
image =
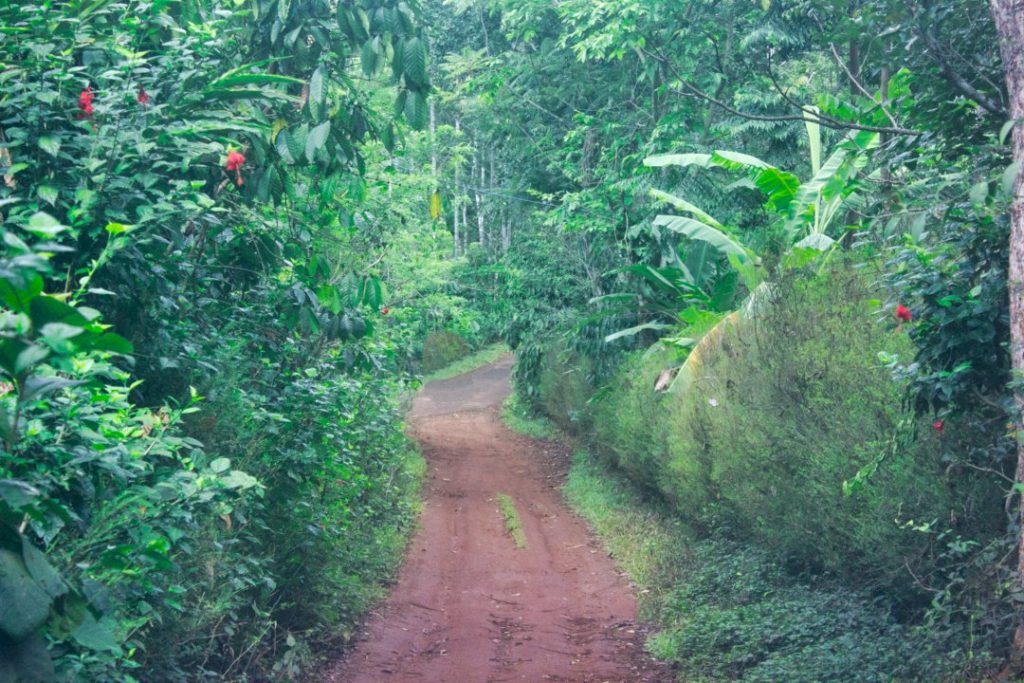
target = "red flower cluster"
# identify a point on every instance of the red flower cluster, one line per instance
(939, 425)
(903, 314)
(85, 99)
(142, 97)
(385, 310)
(235, 161)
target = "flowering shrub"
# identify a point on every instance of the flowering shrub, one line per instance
(122, 491)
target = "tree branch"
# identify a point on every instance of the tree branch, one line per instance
(937, 53)
(807, 114)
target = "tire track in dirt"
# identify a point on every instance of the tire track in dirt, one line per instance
(471, 607)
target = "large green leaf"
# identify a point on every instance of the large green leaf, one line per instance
(97, 634)
(24, 604)
(369, 55)
(414, 61)
(317, 93)
(689, 159)
(737, 160)
(629, 332)
(686, 206)
(416, 111)
(317, 138)
(779, 186)
(695, 230)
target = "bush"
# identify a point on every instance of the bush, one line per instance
(777, 414)
(441, 348)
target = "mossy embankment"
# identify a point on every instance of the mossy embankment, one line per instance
(724, 497)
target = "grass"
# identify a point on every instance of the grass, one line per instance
(512, 522)
(646, 543)
(484, 356)
(519, 418)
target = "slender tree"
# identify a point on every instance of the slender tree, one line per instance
(1009, 21)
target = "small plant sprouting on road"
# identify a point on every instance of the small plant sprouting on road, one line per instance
(512, 522)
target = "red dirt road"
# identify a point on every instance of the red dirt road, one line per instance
(469, 606)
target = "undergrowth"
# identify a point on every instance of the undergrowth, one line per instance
(728, 612)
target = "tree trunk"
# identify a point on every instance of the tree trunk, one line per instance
(456, 198)
(433, 144)
(481, 228)
(1009, 20)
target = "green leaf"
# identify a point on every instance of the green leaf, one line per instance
(369, 55)
(37, 386)
(317, 93)
(47, 309)
(41, 570)
(780, 187)
(629, 332)
(979, 192)
(24, 605)
(238, 479)
(97, 634)
(50, 144)
(1008, 179)
(47, 194)
(813, 138)
(220, 465)
(690, 159)
(416, 111)
(414, 61)
(317, 138)
(686, 206)
(283, 145)
(44, 225)
(237, 79)
(737, 160)
(17, 494)
(695, 230)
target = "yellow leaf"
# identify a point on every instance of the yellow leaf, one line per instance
(435, 206)
(278, 126)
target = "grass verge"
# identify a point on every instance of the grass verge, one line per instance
(521, 419)
(484, 356)
(512, 523)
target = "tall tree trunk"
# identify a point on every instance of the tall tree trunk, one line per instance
(456, 198)
(433, 144)
(480, 226)
(1009, 20)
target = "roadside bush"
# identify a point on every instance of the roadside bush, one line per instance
(442, 348)
(777, 415)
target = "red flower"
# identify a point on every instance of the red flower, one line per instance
(385, 310)
(903, 314)
(85, 99)
(235, 161)
(143, 96)
(938, 425)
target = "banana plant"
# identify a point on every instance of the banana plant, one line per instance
(807, 209)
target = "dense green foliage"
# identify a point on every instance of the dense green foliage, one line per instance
(221, 486)
(684, 179)
(754, 253)
(729, 612)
